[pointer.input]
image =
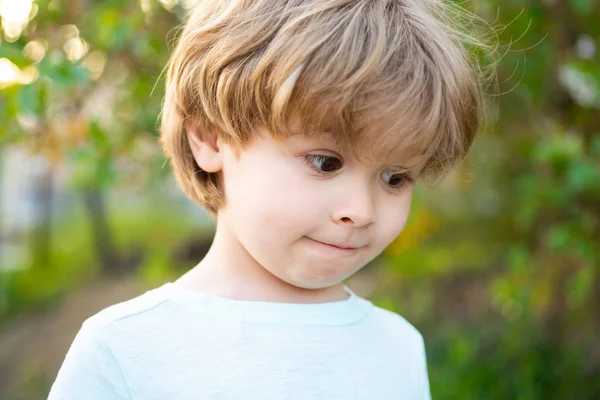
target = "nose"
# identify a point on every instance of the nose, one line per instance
(357, 209)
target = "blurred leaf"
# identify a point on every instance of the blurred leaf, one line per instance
(558, 238)
(98, 136)
(14, 52)
(580, 286)
(105, 172)
(32, 99)
(559, 149)
(584, 175)
(582, 7)
(519, 259)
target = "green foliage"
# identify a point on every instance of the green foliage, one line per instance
(499, 265)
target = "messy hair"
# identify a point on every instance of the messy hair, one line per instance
(393, 76)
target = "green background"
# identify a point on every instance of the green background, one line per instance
(498, 267)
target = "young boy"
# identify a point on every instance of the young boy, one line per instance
(302, 126)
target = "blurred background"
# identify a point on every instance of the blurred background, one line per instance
(499, 266)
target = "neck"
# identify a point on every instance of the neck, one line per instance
(228, 270)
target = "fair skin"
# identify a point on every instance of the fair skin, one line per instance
(299, 218)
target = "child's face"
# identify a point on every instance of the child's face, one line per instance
(307, 214)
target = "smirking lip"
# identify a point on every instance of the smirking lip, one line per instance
(345, 249)
(339, 246)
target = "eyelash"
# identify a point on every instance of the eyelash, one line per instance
(310, 160)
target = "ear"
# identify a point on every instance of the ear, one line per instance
(206, 148)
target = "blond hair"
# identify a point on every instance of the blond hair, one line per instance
(379, 75)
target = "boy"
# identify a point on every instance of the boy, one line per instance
(302, 126)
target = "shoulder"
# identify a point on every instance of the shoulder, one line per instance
(95, 365)
(136, 308)
(394, 332)
(397, 326)
(405, 342)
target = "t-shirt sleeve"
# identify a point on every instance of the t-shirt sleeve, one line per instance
(425, 390)
(89, 370)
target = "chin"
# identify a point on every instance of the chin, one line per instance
(317, 283)
(314, 277)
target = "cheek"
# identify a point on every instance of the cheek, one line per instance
(272, 197)
(392, 225)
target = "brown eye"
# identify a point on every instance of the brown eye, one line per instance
(324, 163)
(395, 180)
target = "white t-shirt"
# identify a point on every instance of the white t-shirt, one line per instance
(173, 343)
